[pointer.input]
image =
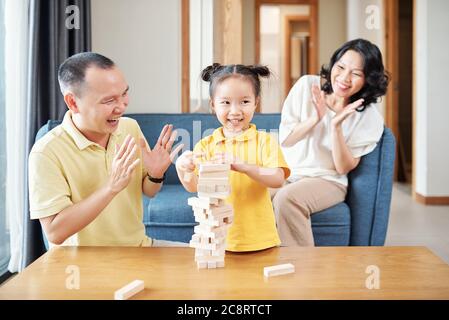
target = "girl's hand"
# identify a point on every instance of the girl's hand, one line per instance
(185, 162)
(123, 165)
(338, 119)
(319, 101)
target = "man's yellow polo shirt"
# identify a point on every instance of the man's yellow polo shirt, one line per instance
(65, 168)
(254, 226)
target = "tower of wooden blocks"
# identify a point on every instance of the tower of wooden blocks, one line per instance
(213, 215)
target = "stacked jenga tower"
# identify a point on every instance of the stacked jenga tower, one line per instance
(213, 215)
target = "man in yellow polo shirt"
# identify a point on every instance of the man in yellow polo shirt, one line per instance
(87, 175)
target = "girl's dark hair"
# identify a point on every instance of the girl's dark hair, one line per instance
(376, 78)
(217, 73)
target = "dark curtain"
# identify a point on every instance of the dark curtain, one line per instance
(53, 38)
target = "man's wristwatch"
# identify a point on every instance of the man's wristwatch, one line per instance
(156, 180)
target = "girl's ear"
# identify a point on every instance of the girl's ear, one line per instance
(257, 101)
(211, 105)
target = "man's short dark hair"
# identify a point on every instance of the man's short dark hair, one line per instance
(72, 71)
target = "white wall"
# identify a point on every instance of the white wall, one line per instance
(270, 55)
(331, 28)
(359, 21)
(143, 37)
(201, 51)
(359, 24)
(432, 114)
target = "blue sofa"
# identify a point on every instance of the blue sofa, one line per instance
(359, 221)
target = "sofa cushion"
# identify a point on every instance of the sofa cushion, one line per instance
(167, 216)
(332, 226)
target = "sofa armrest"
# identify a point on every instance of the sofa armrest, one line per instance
(369, 193)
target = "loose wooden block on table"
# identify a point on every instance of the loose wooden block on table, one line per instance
(278, 270)
(129, 290)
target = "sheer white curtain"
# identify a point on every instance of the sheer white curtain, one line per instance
(16, 40)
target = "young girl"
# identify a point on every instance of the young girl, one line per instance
(256, 160)
(328, 123)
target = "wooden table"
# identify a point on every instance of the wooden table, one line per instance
(170, 273)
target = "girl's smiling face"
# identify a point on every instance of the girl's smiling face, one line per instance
(234, 103)
(347, 75)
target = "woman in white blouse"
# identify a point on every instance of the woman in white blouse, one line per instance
(328, 122)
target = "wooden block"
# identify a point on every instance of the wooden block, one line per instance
(205, 240)
(222, 188)
(213, 202)
(220, 251)
(211, 232)
(207, 222)
(196, 237)
(228, 220)
(213, 188)
(206, 188)
(213, 181)
(209, 258)
(202, 203)
(218, 211)
(214, 195)
(218, 240)
(203, 246)
(214, 167)
(214, 175)
(129, 290)
(202, 253)
(200, 212)
(203, 230)
(279, 269)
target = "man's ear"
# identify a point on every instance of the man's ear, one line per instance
(70, 101)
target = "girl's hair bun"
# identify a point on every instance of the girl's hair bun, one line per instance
(207, 73)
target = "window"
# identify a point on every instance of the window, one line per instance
(4, 229)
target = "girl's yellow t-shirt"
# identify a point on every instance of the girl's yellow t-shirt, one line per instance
(254, 226)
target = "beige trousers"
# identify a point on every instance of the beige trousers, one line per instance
(295, 202)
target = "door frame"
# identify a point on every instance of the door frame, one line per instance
(313, 17)
(392, 62)
(392, 96)
(312, 57)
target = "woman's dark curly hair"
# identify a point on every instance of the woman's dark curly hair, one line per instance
(216, 73)
(376, 78)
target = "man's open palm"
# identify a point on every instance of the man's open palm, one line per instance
(158, 160)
